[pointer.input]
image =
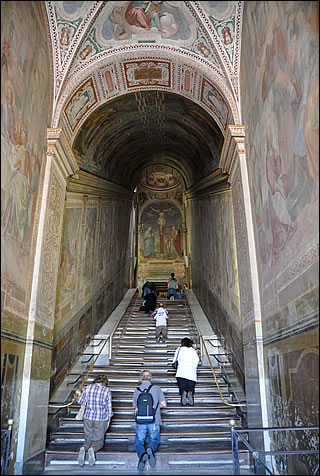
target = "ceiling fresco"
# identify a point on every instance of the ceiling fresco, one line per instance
(153, 85)
(86, 36)
(148, 127)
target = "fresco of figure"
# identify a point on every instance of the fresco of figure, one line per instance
(139, 15)
(162, 225)
(148, 241)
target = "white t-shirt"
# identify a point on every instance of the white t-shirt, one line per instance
(161, 317)
(188, 363)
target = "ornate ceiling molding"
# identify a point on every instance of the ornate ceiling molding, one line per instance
(212, 49)
(109, 80)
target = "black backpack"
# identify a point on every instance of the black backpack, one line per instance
(145, 411)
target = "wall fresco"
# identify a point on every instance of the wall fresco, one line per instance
(283, 125)
(281, 112)
(215, 271)
(94, 254)
(24, 85)
(90, 252)
(161, 230)
(88, 247)
(69, 255)
(292, 365)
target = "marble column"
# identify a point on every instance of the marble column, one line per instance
(31, 442)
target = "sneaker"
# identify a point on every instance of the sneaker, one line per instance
(152, 458)
(142, 462)
(184, 400)
(92, 456)
(81, 456)
(190, 398)
(171, 298)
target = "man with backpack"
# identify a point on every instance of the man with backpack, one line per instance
(147, 401)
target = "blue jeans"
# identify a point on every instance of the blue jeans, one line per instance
(171, 292)
(141, 435)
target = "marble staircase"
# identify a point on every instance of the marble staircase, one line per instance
(193, 439)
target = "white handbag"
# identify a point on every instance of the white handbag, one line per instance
(82, 409)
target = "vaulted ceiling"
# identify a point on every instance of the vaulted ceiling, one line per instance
(153, 85)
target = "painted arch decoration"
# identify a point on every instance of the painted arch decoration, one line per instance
(191, 45)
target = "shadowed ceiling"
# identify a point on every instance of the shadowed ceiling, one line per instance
(145, 128)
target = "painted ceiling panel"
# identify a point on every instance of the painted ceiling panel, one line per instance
(83, 31)
(142, 127)
(145, 83)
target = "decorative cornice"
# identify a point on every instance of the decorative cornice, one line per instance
(216, 182)
(86, 183)
(58, 145)
(234, 144)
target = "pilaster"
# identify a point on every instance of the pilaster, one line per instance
(59, 165)
(233, 162)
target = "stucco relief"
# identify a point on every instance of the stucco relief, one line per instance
(242, 247)
(51, 244)
(151, 73)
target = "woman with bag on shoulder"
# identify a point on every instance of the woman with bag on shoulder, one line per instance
(188, 361)
(96, 418)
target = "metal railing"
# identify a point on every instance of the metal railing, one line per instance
(216, 380)
(237, 435)
(6, 433)
(64, 405)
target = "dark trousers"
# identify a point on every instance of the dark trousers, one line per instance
(94, 432)
(185, 385)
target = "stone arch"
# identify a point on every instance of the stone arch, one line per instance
(200, 74)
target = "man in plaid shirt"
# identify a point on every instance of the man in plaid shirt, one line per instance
(96, 418)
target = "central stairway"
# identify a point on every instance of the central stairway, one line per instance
(193, 440)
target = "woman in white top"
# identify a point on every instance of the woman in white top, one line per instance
(186, 375)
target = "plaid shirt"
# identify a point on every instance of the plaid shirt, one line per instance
(99, 402)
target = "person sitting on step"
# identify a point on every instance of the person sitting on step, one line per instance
(161, 317)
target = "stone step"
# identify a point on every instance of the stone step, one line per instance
(133, 382)
(115, 460)
(199, 410)
(221, 436)
(201, 391)
(186, 414)
(185, 425)
(160, 372)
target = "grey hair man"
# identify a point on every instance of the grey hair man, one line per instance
(151, 429)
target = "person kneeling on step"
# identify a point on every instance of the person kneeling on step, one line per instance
(96, 418)
(186, 374)
(161, 317)
(147, 401)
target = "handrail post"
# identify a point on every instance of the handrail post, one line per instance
(7, 448)
(255, 456)
(234, 440)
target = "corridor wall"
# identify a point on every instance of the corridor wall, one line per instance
(280, 109)
(94, 268)
(25, 111)
(215, 271)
